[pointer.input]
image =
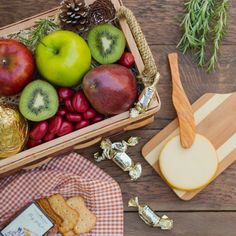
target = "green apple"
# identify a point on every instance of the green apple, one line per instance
(62, 58)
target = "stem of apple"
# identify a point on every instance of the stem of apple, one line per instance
(50, 49)
(93, 86)
(3, 61)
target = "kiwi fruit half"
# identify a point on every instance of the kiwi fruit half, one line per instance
(38, 101)
(107, 43)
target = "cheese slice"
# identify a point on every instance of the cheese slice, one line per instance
(188, 169)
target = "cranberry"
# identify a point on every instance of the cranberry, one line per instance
(68, 105)
(65, 93)
(80, 103)
(61, 111)
(39, 130)
(55, 124)
(97, 118)
(82, 124)
(127, 59)
(66, 128)
(73, 117)
(48, 137)
(60, 100)
(33, 143)
(89, 114)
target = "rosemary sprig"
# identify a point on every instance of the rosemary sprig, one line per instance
(41, 28)
(196, 27)
(189, 39)
(204, 28)
(197, 23)
(218, 32)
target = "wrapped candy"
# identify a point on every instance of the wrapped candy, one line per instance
(145, 99)
(150, 217)
(117, 153)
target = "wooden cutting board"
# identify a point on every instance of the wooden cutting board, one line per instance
(215, 118)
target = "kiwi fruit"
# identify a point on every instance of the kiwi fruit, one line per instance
(107, 43)
(38, 101)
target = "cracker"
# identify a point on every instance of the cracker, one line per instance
(69, 233)
(45, 205)
(70, 216)
(87, 219)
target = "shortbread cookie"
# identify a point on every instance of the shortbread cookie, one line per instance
(87, 219)
(69, 233)
(70, 217)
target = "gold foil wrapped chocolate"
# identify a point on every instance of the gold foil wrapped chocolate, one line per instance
(145, 99)
(150, 217)
(13, 130)
(117, 153)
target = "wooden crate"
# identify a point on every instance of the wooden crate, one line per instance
(86, 136)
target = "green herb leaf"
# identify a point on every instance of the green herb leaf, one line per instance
(220, 18)
(204, 21)
(41, 28)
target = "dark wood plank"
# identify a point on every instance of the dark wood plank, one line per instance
(165, 16)
(186, 224)
(159, 19)
(220, 195)
(196, 82)
(16, 10)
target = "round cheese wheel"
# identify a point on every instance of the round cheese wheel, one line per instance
(188, 169)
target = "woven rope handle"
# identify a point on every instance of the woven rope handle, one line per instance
(150, 75)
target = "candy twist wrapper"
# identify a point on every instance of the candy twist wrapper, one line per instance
(117, 153)
(150, 217)
(144, 100)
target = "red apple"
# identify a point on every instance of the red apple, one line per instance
(16, 66)
(111, 89)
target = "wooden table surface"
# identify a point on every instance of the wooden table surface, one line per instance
(213, 211)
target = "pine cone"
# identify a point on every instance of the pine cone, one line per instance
(101, 11)
(74, 15)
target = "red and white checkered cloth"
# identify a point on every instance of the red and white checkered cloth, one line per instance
(69, 175)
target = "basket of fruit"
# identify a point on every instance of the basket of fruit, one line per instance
(70, 77)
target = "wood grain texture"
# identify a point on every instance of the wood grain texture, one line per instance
(186, 224)
(159, 20)
(208, 110)
(182, 106)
